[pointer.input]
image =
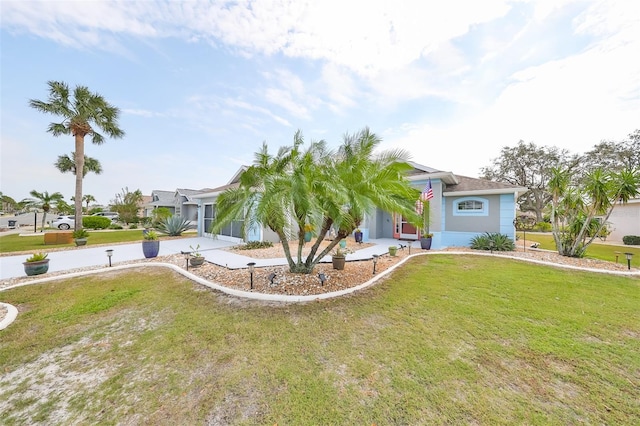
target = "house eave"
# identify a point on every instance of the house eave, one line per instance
(517, 191)
(447, 177)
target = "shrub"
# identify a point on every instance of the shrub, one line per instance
(501, 242)
(173, 226)
(542, 227)
(254, 245)
(133, 226)
(96, 222)
(631, 240)
(115, 226)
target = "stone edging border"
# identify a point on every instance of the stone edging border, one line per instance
(13, 312)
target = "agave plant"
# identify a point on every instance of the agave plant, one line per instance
(492, 241)
(173, 226)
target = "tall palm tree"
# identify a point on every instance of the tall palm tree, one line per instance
(318, 186)
(67, 163)
(45, 201)
(81, 112)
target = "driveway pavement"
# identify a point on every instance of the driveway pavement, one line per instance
(82, 257)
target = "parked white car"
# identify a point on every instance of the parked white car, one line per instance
(111, 215)
(64, 222)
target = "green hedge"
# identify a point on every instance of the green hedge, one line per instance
(96, 222)
(631, 240)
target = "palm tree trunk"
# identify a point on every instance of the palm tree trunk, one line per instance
(79, 139)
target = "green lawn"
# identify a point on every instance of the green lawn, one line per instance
(444, 340)
(595, 251)
(15, 243)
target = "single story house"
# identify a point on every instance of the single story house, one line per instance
(625, 220)
(461, 208)
(179, 202)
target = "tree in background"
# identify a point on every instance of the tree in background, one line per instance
(86, 198)
(44, 201)
(529, 165)
(160, 214)
(8, 203)
(79, 111)
(126, 205)
(580, 207)
(67, 163)
(615, 156)
(319, 187)
(64, 208)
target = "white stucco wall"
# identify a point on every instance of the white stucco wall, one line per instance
(625, 220)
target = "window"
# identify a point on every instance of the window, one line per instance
(470, 206)
(209, 215)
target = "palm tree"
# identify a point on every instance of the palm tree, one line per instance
(580, 211)
(67, 163)
(79, 110)
(44, 201)
(86, 198)
(318, 186)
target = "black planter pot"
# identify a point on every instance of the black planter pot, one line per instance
(425, 243)
(81, 241)
(358, 236)
(150, 248)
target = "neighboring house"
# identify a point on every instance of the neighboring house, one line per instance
(179, 202)
(625, 220)
(142, 206)
(160, 199)
(462, 207)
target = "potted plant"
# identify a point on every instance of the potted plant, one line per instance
(150, 244)
(358, 235)
(308, 232)
(426, 237)
(36, 264)
(196, 258)
(80, 237)
(425, 241)
(338, 258)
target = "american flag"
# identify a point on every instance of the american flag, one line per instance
(426, 195)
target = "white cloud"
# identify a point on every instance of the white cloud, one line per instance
(363, 35)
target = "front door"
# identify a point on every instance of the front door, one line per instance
(403, 230)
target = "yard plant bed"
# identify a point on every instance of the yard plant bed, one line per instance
(445, 339)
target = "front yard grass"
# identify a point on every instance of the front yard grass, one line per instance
(596, 250)
(16, 243)
(444, 340)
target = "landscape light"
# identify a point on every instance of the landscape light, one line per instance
(629, 256)
(109, 254)
(251, 266)
(322, 278)
(272, 276)
(375, 261)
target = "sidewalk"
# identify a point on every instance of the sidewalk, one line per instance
(78, 257)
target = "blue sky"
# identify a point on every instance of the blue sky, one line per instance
(202, 84)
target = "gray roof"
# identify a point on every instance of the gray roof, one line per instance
(469, 185)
